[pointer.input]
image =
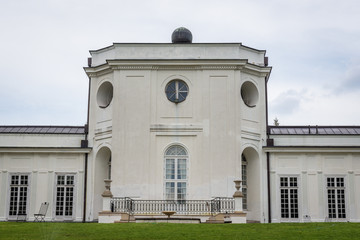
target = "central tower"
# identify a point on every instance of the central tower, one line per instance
(175, 120)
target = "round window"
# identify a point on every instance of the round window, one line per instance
(104, 94)
(176, 91)
(249, 94)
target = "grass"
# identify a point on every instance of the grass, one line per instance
(13, 230)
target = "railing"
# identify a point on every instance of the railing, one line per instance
(181, 207)
(223, 205)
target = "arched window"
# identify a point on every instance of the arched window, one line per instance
(176, 159)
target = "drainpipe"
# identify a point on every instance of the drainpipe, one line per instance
(86, 144)
(268, 184)
(85, 186)
(268, 154)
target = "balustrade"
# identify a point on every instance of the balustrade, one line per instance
(181, 207)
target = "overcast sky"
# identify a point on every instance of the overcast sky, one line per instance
(313, 47)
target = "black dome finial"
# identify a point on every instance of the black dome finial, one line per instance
(181, 35)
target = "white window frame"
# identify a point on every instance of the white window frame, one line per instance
(63, 217)
(298, 187)
(336, 198)
(175, 180)
(14, 217)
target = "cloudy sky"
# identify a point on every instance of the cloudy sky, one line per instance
(313, 47)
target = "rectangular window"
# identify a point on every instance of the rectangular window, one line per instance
(170, 168)
(336, 197)
(19, 188)
(181, 169)
(170, 190)
(289, 197)
(64, 195)
(181, 190)
(244, 182)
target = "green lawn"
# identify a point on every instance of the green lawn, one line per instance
(12, 230)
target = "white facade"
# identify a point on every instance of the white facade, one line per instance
(182, 122)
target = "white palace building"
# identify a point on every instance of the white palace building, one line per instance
(170, 126)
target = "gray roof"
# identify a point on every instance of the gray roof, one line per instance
(314, 130)
(42, 129)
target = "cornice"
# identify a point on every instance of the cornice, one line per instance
(178, 67)
(312, 149)
(175, 128)
(189, 64)
(259, 71)
(44, 150)
(98, 71)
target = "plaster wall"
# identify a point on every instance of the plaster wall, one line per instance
(41, 140)
(316, 140)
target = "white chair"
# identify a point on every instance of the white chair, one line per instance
(40, 217)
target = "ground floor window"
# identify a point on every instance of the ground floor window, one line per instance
(336, 197)
(289, 197)
(244, 180)
(176, 172)
(64, 195)
(19, 189)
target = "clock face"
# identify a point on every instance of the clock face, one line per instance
(176, 91)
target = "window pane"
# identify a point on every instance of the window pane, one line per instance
(176, 151)
(331, 182)
(170, 168)
(171, 91)
(69, 201)
(181, 171)
(13, 201)
(60, 192)
(14, 180)
(181, 190)
(170, 191)
(293, 182)
(24, 179)
(60, 180)
(283, 181)
(70, 180)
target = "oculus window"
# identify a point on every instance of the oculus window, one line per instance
(249, 94)
(104, 94)
(176, 91)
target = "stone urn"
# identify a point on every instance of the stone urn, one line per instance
(238, 193)
(107, 192)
